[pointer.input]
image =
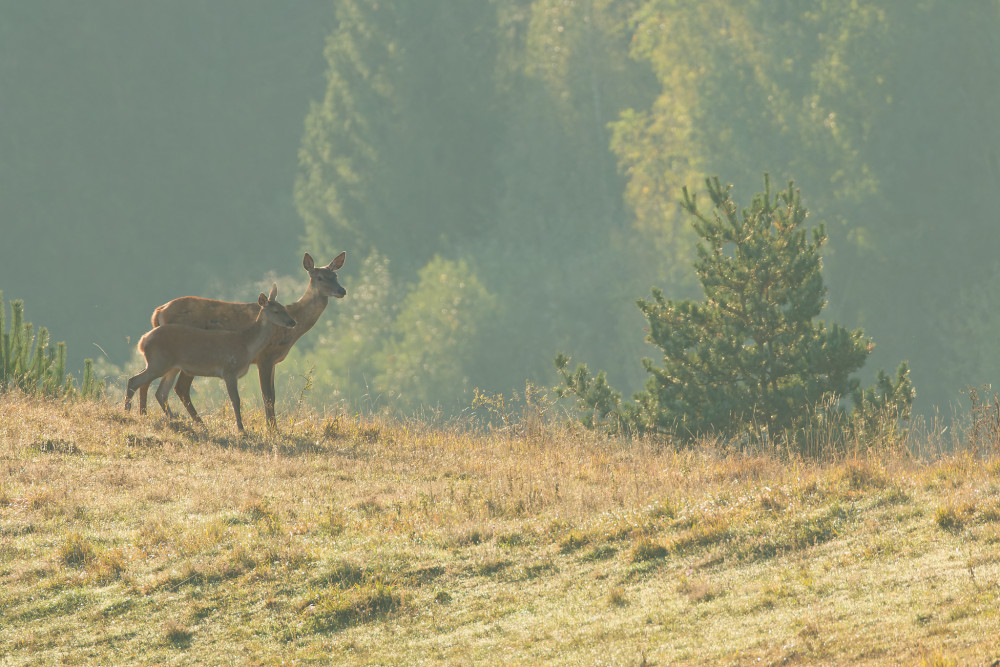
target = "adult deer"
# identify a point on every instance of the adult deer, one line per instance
(208, 352)
(211, 314)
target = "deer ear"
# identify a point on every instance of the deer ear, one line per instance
(262, 300)
(307, 262)
(338, 261)
(274, 292)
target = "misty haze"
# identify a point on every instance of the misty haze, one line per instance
(635, 296)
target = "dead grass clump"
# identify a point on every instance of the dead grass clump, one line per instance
(864, 475)
(358, 429)
(55, 446)
(703, 533)
(464, 537)
(333, 522)
(600, 552)
(109, 565)
(662, 509)
(177, 634)
(645, 549)
(341, 573)
(259, 512)
(938, 659)
(990, 511)
(237, 562)
(490, 566)
(773, 501)
(952, 517)
(794, 533)
(697, 589)
(513, 539)
(76, 550)
(616, 597)
(140, 441)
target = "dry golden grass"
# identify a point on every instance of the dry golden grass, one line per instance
(345, 539)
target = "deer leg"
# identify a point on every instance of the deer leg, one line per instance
(143, 390)
(265, 370)
(183, 391)
(163, 391)
(234, 396)
(139, 380)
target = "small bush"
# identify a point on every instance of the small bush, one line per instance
(29, 363)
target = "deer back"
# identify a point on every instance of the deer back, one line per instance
(194, 311)
(201, 313)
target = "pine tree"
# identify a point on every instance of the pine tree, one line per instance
(751, 352)
(751, 356)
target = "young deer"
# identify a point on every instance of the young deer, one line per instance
(211, 314)
(207, 352)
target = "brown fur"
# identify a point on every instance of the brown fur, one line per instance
(173, 348)
(212, 314)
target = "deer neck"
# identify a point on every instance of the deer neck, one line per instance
(308, 308)
(257, 334)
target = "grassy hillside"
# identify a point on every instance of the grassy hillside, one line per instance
(366, 541)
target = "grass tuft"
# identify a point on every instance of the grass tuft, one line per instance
(76, 550)
(696, 589)
(573, 541)
(616, 597)
(177, 635)
(645, 549)
(337, 608)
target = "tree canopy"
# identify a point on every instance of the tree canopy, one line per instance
(542, 145)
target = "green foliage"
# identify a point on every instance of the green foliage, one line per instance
(596, 401)
(401, 345)
(810, 81)
(751, 355)
(29, 363)
(479, 133)
(880, 408)
(435, 334)
(388, 156)
(548, 135)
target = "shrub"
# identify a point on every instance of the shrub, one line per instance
(29, 363)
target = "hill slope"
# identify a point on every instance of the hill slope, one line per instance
(134, 540)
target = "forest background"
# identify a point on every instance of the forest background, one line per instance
(504, 175)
